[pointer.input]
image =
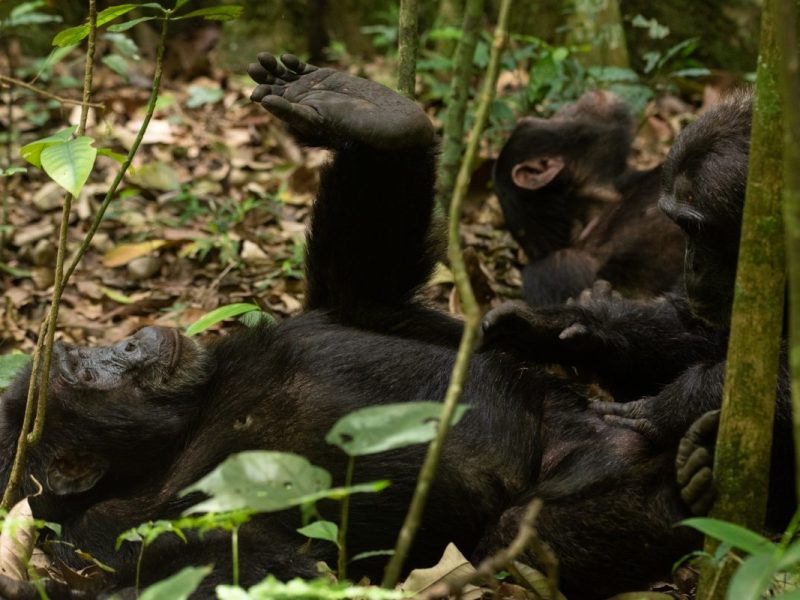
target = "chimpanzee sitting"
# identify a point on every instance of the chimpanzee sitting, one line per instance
(132, 425)
(577, 210)
(668, 356)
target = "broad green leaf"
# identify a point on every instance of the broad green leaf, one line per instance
(116, 63)
(178, 587)
(119, 27)
(321, 530)
(256, 318)
(33, 152)
(220, 314)
(338, 493)
(180, 3)
(200, 95)
(25, 8)
(299, 589)
(10, 365)
(752, 578)
(789, 558)
(214, 13)
(73, 35)
(792, 595)
(388, 426)
(261, 480)
(69, 164)
(371, 554)
(732, 534)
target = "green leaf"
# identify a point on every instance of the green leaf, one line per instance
(73, 35)
(200, 95)
(321, 530)
(789, 558)
(116, 63)
(119, 27)
(752, 578)
(220, 314)
(256, 318)
(33, 152)
(10, 365)
(262, 481)
(180, 3)
(178, 587)
(272, 588)
(388, 426)
(338, 493)
(8, 171)
(732, 534)
(214, 13)
(371, 554)
(120, 158)
(70, 163)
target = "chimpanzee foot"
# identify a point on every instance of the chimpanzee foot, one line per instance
(331, 108)
(694, 462)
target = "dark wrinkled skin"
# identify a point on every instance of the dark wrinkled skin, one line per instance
(120, 445)
(592, 217)
(664, 361)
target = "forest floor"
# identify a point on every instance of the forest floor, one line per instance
(214, 212)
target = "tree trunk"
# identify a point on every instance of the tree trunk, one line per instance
(741, 465)
(408, 42)
(598, 25)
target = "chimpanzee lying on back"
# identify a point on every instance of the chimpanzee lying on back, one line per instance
(668, 356)
(132, 425)
(577, 210)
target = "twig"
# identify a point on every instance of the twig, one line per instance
(19, 83)
(526, 537)
(471, 313)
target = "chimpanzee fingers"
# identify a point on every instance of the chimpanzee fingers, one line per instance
(264, 90)
(295, 65)
(300, 116)
(698, 492)
(602, 290)
(627, 410)
(703, 432)
(574, 331)
(643, 426)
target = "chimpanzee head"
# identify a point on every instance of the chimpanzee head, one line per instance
(551, 170)
(109, 409)
(703, 190)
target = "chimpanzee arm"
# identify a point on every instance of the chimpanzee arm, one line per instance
(369, 241)
(633, 347)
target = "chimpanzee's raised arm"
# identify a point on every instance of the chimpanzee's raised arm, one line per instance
(368, 244)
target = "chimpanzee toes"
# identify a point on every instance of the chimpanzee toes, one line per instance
(694, 462)
(264, 90)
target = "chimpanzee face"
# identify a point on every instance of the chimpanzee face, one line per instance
(703, 191)
(111, 407)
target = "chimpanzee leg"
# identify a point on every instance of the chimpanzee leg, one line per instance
(368, 244)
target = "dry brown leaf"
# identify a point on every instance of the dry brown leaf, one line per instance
(452, 566)
(125, 253)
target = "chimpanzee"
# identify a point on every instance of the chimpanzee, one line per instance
(132, 425)
(578, 211)
(668, 356)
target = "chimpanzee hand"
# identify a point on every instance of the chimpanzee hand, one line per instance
(648, 416)
(553, 334)
(694, 462)
(333, 108)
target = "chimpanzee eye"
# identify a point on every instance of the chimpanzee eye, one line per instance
(87, 375)
(690, 198)
(130, 347)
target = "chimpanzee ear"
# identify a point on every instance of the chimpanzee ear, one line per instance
(536, 173)
(75, 472)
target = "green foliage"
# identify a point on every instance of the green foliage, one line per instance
(756, 574)
(26, 14)
(178, 587)
(220, 314)
(300, 589)
(200, 95)
(321, 530)
(10, 365)
(68, 161)
(386, 427)
(149, 532)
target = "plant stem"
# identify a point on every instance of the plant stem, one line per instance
(44, 93)
(235, 553)
(468, 303)
(407, 44)
(30, 434)
(343, 520)
(453, 138)
(151, 106)
(138, 575)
